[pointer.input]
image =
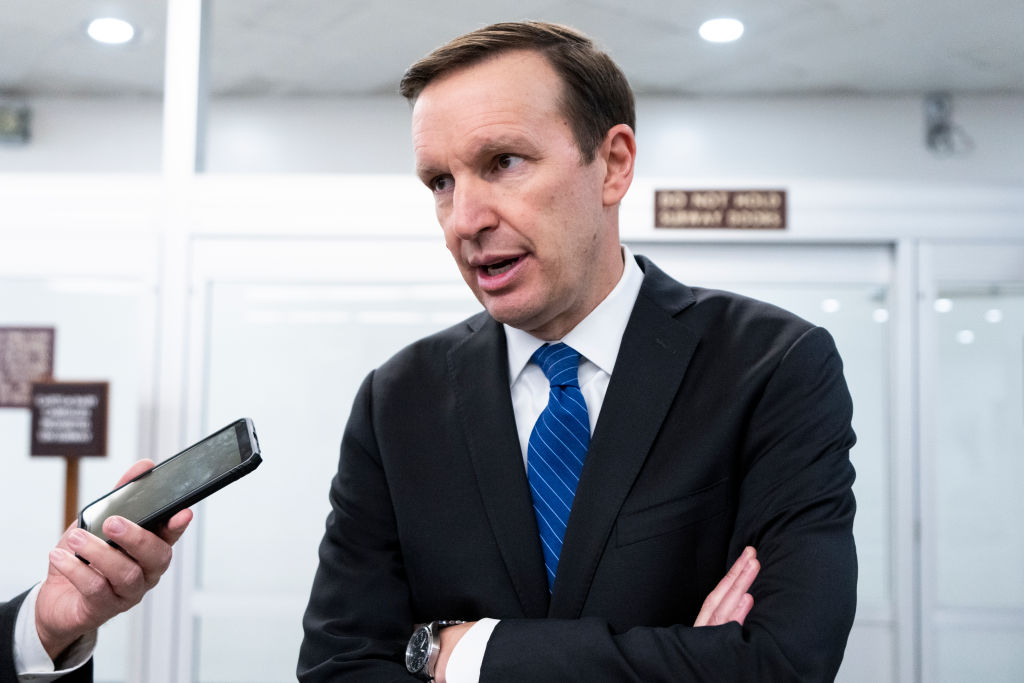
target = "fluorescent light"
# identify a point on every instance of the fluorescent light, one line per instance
(880, 315)
(722, 30)
(965, 337)
(943, 305)
(111, 31)
(831, 305)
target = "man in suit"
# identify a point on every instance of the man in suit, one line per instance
(48, 633)
(717, 424)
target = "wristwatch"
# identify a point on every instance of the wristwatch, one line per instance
(424, 647)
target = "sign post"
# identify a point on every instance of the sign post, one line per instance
(69, 419)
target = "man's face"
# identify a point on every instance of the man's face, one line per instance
(524, 219)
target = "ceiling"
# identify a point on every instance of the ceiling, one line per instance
(341, 47)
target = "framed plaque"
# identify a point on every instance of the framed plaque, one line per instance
(26, 356)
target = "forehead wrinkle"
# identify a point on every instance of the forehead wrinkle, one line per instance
(477, 118)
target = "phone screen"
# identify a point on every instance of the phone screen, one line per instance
(153, 495)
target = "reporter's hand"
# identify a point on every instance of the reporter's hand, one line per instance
(77, 598)
(730, 601)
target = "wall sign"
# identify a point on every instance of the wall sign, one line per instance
(735, 209)
(69, 418)
(26, 356)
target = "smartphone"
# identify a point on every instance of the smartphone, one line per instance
(180, 481)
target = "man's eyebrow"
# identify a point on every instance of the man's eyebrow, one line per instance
(426, 173)
(505, 144)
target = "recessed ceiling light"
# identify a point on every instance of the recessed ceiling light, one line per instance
(111, 31)
(721, 30)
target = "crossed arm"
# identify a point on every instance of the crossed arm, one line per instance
(729, 601)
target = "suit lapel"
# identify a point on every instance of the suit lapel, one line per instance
(652, 360)
(478, 369)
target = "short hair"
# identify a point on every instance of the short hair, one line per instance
(596, 94)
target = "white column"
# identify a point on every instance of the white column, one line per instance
(166, 652)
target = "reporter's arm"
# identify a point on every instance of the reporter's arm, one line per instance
(77, 597)
(32, 663)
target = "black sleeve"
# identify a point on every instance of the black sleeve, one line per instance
(358, 618)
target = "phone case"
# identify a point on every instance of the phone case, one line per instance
(153, 521)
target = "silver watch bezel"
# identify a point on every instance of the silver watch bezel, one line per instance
(433, 630)
(433, 648)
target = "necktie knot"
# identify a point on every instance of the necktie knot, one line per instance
(560, 364)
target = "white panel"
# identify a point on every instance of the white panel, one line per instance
(979, 420)
(972, 327)
(980, 654)
(103, 333)
(870, 654)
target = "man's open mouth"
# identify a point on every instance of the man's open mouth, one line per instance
(500, 267)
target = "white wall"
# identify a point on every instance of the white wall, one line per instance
(834, 138)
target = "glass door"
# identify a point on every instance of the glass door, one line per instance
(972, 327)
(99, 298)
(286, 331)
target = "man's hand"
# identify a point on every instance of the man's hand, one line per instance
(77, 598)
(730, 601)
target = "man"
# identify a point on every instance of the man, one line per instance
(712, 425)
(49, 632)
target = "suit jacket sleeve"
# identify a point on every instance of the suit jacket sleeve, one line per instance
(8, 619)
(358, 618)
(795, 505)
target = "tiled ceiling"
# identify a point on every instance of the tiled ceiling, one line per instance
(340, 47)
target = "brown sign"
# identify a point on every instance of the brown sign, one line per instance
(69, 418)
(26, 356)
(738, 209)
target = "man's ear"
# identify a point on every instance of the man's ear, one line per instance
(619, 154)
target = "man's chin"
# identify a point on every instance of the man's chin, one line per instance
(507, 313)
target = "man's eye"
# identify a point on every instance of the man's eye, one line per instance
(442, 183)
(507, 161)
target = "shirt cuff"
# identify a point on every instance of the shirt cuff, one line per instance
(31, 662)
(468, 656)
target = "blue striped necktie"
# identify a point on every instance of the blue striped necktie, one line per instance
(557, 447)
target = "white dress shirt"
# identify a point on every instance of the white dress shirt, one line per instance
(597, 338)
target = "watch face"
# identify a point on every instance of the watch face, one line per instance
(418, 650)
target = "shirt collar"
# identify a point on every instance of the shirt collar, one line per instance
(598, 336)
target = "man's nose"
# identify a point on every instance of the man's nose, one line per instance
(473, 210)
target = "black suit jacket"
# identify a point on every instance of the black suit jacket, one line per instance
(726, 424)
(8, 618)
